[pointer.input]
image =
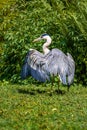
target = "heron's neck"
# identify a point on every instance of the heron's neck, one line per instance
(46, 44)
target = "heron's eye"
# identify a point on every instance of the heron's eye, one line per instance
(43, 35)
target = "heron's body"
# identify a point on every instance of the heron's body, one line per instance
(40, 66)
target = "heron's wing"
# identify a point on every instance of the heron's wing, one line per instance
(62, 65)
(58, 64)
(71, 68)
(36, 64)
(26, 69)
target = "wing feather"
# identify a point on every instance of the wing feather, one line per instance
(41, 66)
(36, 61)
(58, 64)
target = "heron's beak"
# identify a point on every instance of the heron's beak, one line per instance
(37, 39)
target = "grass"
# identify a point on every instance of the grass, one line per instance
(34, 107)
(4, 3)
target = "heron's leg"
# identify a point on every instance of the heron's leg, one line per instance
(58, 85)
(68, 86)
(52, 81)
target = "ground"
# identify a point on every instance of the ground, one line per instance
(36, 107)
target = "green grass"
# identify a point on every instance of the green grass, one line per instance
(35, 107)
(4, 3)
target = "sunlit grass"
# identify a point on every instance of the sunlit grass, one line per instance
(4, 3)
(32, 107)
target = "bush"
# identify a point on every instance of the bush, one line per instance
(64, 20)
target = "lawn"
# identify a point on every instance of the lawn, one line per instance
(35, 107)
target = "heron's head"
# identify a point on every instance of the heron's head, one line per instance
(43, 36)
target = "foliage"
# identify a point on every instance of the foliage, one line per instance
(64, 20)
(31, 107)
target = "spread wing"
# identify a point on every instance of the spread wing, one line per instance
(71, 69)
(62, 65)
(41, 66)
(35, 65)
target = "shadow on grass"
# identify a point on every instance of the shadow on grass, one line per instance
(31, 92)
(38, 91)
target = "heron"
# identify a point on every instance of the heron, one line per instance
(41, 66)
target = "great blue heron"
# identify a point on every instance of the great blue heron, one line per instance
(53, 62)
